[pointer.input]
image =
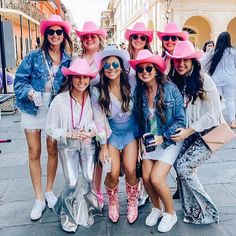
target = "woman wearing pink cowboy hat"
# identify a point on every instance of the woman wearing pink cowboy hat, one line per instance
(139, 38)
(203, 111)
(169, 37)
(93, 40)
(38, 79)
(159, 109)
(70, 122)
(116, 124)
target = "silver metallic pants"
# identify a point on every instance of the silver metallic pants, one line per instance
(77, 203)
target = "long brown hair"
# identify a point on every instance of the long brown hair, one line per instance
(103, 87)
(161, 79)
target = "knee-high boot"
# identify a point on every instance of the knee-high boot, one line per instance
(132, 209)
(113, 203)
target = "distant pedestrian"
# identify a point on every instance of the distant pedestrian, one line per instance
(208, 46)
(70, 122)
(139, 38)
(112, 103)
(203, 112)
(37, 81)
(220, 64)
(159, 110)
(92, 40)
(169, 37)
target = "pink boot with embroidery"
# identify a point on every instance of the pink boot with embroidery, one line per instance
(113, 203)
(132, 210)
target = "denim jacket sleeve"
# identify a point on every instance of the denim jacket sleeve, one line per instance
(22, 83)
(179, 114)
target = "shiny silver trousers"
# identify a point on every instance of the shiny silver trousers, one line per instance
(77, 203)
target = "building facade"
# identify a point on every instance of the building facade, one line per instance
(204, 20)
(25, 17)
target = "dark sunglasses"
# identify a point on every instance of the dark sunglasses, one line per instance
(142, 37)
(114, 64)
(52, 32)
(87, 36)
(141, 69)
(173, 38)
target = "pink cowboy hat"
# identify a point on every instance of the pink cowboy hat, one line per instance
(145, 56)
(79, 67)
(111, 50)
(91, 28)
(185, 49)
(173, 29)
(139, 28)
(55, 20)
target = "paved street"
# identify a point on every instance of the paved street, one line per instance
(16, 195)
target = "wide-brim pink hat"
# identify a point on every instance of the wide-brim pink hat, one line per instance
(172, 29)
(91, 28)
(111, 50)
(185, 50)
(79, 67)
(139, 28)
(55, 20)
(145, 56)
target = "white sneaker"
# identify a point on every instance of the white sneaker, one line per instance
(38, 209)
(153, 217)
(50, 199)
(167, 222)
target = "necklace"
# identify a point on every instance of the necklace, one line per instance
(72, 113)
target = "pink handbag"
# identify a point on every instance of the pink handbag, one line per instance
(217, 137)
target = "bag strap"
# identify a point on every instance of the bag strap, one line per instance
(140, 150)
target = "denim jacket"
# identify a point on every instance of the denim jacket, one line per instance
(33, 74)
(174, 113)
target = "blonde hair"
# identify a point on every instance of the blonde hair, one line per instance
(83, 50)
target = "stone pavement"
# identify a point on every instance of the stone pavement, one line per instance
(16, 195)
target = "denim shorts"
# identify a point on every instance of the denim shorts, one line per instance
(122, 133)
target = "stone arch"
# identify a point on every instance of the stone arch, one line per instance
(231, 29)
(202, 28)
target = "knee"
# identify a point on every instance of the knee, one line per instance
(130, 171)
(158, 182)
(52, 148)
(113, 176)
(34, 153)
(146, 179)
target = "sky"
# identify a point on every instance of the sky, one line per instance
(84, 10)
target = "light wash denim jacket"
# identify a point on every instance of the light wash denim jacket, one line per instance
(174, 113)
(33, 74)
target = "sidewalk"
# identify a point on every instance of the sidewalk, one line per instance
(16, 195)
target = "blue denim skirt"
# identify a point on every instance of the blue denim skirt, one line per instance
(123, 133)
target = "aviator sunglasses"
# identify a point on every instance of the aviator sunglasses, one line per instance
(142, 37)
(52, 32)
(173, 38)
(148, 69)
(114, 64)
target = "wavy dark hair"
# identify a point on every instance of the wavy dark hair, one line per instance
(131, 48)
(192, 83)
(103, 87)
(161, 79)
(66, 44)
(223, 42)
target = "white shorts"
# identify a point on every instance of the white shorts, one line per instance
(167, 155)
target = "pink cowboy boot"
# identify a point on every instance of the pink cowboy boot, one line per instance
(113, 203)
(132, 211)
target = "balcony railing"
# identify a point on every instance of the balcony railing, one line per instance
(24, 6)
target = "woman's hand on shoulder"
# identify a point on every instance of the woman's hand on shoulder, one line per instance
(181, 134)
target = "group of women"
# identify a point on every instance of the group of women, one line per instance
(107, 100)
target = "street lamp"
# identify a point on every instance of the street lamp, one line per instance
(167, 9)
